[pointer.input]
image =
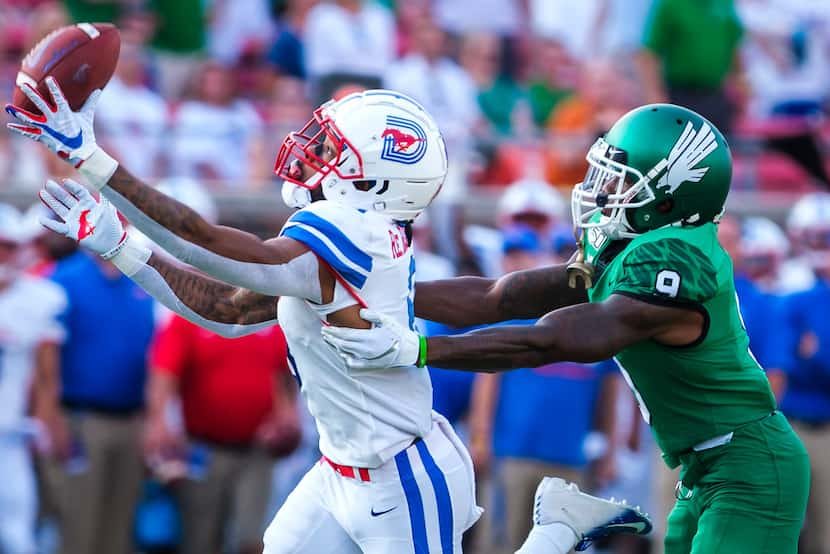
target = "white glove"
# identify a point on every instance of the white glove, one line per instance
(387, 344)
(95, 225)
(69, 134)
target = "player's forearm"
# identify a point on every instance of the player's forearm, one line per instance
(230, 255)
(576, 334)
(468, 301)
(46, 389)
(162, 388)
(212, 299)
(211, 304)
(490, 350)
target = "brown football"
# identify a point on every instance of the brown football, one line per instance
(80, 57)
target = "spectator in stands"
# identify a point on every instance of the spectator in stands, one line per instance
(237, 403)
(447, 91)
(22, 167)
(30, 336)
(347, 42)
(552, 77)
(502, 101)
(504, 18)
(505, 422)
(238, 28)
(575, 26)
(217, 137)
(806, 401)
(761, 248)
(605, 92)
(678, 64)
(136, 135)
(787, 61)
(178, 43)
(287, 54)
(100, 399)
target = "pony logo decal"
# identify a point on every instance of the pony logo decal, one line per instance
(689, 150)
(404, 141)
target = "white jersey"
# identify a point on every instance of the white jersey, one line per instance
(364, 417)
(29, 308)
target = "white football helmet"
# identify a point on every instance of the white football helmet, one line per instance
(373, 150)
(531, 196)
(11, 225)
(809, 227)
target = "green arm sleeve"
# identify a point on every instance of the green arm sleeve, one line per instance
(669, 270)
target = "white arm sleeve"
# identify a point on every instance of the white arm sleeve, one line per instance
(132, 261)
(296, 278)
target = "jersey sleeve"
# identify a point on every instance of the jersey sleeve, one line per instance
(667, 271)
(336, 235)
(52, 300)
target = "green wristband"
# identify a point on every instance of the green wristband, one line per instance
(422, 351)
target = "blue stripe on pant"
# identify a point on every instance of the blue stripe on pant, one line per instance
(416, 504)
(442, 497)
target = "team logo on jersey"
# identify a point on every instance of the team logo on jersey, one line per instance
(689, 150)
(404, 141)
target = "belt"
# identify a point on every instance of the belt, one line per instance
(104, 411)
(351, 472)
(684, 488)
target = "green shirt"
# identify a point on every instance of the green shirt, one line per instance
(85, 11)
(180, 25)
(695, 40)
(697, 392)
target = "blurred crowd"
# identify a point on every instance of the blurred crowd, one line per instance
(522, 87)
(128, 429)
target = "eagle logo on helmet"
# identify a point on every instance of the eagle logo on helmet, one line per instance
(689, 150)
(404, 141)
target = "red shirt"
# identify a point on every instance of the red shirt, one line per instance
(226, 385)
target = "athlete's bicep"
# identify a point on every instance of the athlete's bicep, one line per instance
(468, 301)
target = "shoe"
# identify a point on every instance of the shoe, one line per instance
(591, 518)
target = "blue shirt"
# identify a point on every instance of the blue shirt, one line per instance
(807, 397)
(545, 413)
(451, 389)
(758, 309)
(109, 323)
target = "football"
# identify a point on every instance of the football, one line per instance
(80, 57)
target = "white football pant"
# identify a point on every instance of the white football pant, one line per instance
(419, 502)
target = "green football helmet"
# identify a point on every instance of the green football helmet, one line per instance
(659, 165)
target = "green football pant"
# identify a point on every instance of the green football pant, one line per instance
(751, 495)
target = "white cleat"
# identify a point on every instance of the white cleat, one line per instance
(589, 517)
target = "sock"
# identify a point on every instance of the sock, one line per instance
(553, 538)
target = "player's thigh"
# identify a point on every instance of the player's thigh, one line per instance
(429, 502)
(681, 527)
(759, 511)
(303, 525)
(739, 532)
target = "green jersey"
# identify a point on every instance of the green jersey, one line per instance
(703, 390)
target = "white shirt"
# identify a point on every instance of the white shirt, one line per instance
(503, 17)
(134, 121)
(338, 41)
(217, 136)
(28, 317)
(364, 417)
(447, 92)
